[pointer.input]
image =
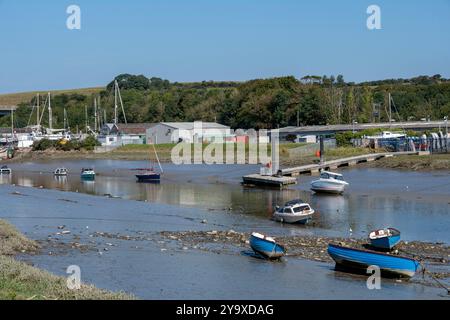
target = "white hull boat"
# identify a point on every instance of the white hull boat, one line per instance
(295, 211)
(329, 182)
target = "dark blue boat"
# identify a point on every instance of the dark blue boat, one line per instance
(149, 177)
(360, 260)
(266, 246)
(384, 239)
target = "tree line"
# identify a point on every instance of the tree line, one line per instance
(259, 104)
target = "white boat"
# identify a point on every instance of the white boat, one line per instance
(295, 211)
(5, 170)
(61, 172)
(329, 182)
(387, 135)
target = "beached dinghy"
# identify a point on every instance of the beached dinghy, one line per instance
(5, 170)
(359, 260)
(60, 172)
(384, 238)
(87, 174)
(295, 211)
(266, 246)
(329, 182)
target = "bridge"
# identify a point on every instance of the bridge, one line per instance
(5, 110)
(393, 126)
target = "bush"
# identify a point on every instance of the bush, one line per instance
(90, 143)
(43, 144)
(343, 139)
(65, 145)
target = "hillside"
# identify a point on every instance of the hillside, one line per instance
(258, 104)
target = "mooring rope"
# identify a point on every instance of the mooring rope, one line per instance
(425, 271)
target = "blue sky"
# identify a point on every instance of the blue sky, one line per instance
(195, 40)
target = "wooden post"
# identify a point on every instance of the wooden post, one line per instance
(274, 136)
(322, 150)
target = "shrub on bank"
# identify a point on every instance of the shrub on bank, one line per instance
(43, 145)
(66, 145)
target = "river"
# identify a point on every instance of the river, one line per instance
(416, 203)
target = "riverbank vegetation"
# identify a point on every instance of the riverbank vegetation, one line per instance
(87, 144)
(259, 104)
(21, 281)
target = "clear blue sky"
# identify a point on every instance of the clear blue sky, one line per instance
(194, 40)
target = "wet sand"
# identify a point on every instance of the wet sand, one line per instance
(160, 251)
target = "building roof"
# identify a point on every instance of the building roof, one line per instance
(7, 130)
(190, 125)
(134, 128)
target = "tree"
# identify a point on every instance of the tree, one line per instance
(340, 80)
(365, 114)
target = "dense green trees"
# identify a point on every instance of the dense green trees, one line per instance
(262, 103)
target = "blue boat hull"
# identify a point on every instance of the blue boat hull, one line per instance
(148, 177)
(390, 266)
(88, 177)
(386, 243)
(267, 248)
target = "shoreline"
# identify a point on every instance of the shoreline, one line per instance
(21, 281)
(423, 163)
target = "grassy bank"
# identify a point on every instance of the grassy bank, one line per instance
(416, 163)
(165, 150)
(21, 281)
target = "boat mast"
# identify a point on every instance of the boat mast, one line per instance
(118, 95)
(157, 158)
(12, 124)
(116, 86)
(37, 112)
(390, 110)
(50, 116)
(86, 118)
(95, 114)
(65, 119)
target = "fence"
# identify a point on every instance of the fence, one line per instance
(311, 149)
(432, 144)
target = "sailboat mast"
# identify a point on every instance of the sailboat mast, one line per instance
(95, 114)
(65, 119)
(86, 118)
(50, 116)
(37, 112)
(12, 124)
(157, 158)
(390, 110)
(116, 86)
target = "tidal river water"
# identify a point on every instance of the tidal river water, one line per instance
(416, 203)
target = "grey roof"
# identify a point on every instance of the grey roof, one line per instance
(190, 125)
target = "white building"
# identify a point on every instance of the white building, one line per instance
(174, 132)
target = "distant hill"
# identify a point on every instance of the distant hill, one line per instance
(10, 99)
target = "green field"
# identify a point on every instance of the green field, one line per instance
(11, 99)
